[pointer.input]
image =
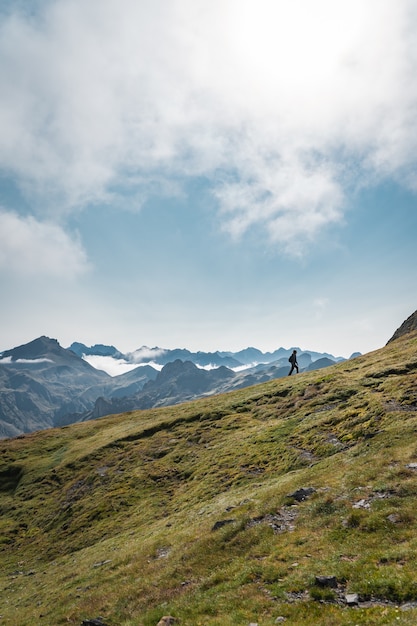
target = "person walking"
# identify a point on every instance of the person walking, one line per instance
(293, 361)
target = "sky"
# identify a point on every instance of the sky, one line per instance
(208, 174)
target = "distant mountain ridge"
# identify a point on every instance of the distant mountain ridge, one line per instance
(159, 356)
(44, 385)
(98, 349)
(162, 356)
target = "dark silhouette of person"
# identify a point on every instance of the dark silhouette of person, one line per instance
(293, 361)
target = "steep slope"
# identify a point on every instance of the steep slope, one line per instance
(294, 499)
(406, 327)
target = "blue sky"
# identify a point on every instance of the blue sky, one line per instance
(208, 175)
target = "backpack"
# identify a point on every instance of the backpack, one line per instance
(290, 359)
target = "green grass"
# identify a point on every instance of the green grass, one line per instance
(119, 517)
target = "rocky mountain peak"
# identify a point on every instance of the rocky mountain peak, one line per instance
(42, 347)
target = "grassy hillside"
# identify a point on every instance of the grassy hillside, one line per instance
(190, 510)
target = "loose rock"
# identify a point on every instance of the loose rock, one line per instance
(302, 494)
(222, 523)
(352, 599)
(167, 620)
(326, 581)
(361, 504)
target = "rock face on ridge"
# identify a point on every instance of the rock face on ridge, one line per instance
(406, 327)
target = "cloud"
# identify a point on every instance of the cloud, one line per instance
(113, 367)
(7, 360)
(282, 106)
(29, 247)
(145, 354)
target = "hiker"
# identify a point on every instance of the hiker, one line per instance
(293, 361)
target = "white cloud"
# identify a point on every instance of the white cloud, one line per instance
(145, 354)
(113, 367)
(29, 247)
(282, 105)
(7, 360)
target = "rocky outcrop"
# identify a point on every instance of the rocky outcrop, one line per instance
(406, 327)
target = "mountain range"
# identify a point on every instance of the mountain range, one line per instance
(162, 356)
(44, 385)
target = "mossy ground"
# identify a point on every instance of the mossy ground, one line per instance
(115, 517)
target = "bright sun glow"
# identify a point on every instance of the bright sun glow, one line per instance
(290, 47)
